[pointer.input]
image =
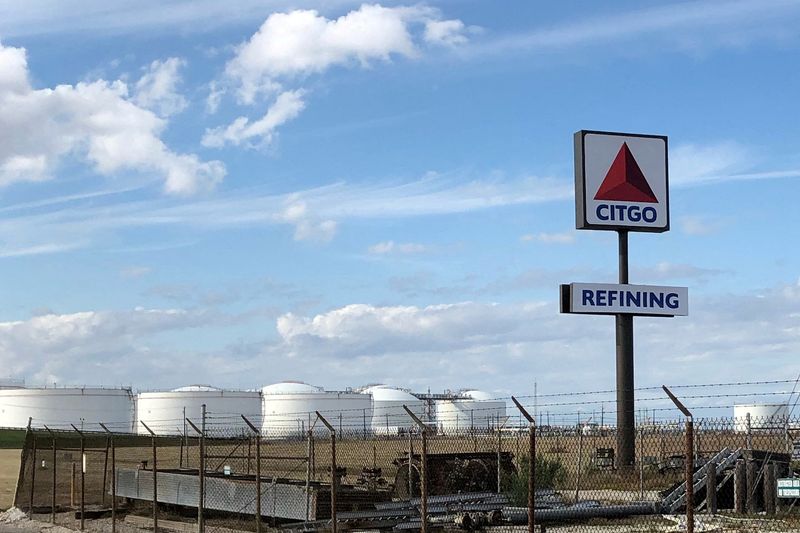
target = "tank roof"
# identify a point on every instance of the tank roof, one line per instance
(196, 388)
(385, 393)
(291, 387)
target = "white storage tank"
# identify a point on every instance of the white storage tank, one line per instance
(388, 415)
(470, 410)
(289, 410)
(57, 408)
(763, 417)
(163, 412)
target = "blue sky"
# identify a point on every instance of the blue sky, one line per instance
(345, 193)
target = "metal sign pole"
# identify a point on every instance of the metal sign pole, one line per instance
(626, 431)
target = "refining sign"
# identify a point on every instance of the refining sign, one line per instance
(621, 181)
(612, 299)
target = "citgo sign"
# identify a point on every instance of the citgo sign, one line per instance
(621, 181)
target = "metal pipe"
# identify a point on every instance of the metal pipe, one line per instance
(519, 515)
(626, 432)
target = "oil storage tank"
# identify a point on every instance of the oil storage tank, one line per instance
(388, 415)
(763, 417)
(57, 408)
(469, 410)
(164, 411)
(289, 410)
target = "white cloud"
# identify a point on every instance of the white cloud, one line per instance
(303, 41)
(445, 32)
(96, 122)
(389, 247)
(287, 106)
(566, 237)
(91, 345)
(306, 227)
(482, 343)
(157, 88)
(289, 46)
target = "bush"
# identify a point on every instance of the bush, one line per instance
(549, 474)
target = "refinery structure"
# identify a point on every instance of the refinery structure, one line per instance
(280, 410)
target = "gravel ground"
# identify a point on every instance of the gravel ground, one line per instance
(16, 521)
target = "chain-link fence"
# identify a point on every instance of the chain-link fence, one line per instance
(325, 475)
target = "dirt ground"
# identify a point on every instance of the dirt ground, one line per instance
(9, 470)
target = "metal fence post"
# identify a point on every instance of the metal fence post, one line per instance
(53, 495)
(201, 431)
(155, 476)
(689, 460)
(113, 479)
(711, 487)
(258, 471)
(423, 481)
(309, 458)
(532, 470)
(749, 436)
(33, 477)
(83, 474)
(105, 472)
(334, 476)
(578, 465)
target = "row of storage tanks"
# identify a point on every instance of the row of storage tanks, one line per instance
(281, 410)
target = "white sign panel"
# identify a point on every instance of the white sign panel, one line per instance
(621, 181)
(789, 488)
(612, 299)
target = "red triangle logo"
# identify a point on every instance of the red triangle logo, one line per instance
(624, 181)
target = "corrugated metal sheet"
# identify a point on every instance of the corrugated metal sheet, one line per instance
(281, 499)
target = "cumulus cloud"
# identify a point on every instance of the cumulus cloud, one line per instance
(97, 122)
(157, 88)
(306, 226)
(445, 32)
(510, 344)
(287, 106)
(292, 45)
(96, 345)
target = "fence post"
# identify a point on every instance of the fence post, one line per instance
(532, 469)
(641, 462)
(578, 465)
(53, 495)
(309, 458)
(105, 474)
(749, 428)
(711, 488)
(155, 476)
(739, 487)
(33, 477)
(258, 471)
(423, 477)
(689, 460)
(410, 463)
(83, 473)
(752, 481)
(334, 476)
(201, 432)
(113, 479)
(769, 488)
